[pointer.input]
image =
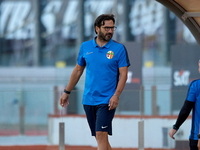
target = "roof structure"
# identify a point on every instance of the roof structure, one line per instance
(188, 12)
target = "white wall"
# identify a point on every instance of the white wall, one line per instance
(125, 131)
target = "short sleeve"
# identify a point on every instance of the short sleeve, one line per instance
(123, 59)
(191, 95)
(81, 60)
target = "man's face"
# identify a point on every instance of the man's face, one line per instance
(199, 65)
(105, 32)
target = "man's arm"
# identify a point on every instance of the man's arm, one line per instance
(75, 76)
(184, 113)
(123, 71)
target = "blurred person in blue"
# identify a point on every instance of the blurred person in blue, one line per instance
(106, 62)
(192, 102)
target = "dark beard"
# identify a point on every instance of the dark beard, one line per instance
(105, 37)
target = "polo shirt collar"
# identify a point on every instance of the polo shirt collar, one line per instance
(106, 46)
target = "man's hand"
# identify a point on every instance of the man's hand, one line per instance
(198, 145)
(172, 132)
(113, 103)
(64, 100)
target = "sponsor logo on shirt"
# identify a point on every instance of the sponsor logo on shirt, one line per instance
(110, 54)
(89, 53)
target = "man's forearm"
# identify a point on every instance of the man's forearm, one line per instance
(184, 113)
(121, 82)
(75, 76)
(120, 86)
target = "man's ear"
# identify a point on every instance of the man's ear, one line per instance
(97, 29)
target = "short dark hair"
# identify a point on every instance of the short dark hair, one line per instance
(100, 20)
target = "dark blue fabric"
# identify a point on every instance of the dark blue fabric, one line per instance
(193, 144)
(99, 118)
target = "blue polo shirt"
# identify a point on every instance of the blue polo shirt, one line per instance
(102, 75)
(193, 95)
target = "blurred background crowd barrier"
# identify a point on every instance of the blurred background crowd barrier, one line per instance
(39, 45)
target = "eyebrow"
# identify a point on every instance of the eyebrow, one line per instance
(108, 26)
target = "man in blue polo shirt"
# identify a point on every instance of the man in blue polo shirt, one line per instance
(192, 102)
(106, 63)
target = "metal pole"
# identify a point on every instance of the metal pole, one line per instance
(154, 101)
(125, 21)
(171, 111)
(114, 11)
(80, 24)
(141, 135)
(61, 136)
(141, 123)
(1, 39)
(56, 98)
(21, 112)
(37, 42)
(80, 40)
(141, 100)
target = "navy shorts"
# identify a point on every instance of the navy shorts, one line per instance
(193, 144)
(99, 118)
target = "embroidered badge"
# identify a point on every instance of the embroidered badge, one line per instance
(110, 54)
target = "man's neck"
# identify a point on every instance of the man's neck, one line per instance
(100, 42)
